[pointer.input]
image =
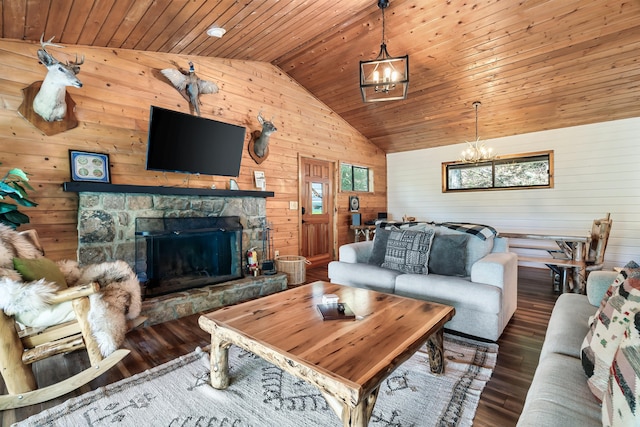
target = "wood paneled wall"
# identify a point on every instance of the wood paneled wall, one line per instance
(596, 171)
(113, 111)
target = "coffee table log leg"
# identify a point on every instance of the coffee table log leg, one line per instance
(360, 415)
(219, 363)
(436, 352)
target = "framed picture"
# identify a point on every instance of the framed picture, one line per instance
(92, 167)
(354, 203)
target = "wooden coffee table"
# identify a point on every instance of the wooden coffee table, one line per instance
(346, 359)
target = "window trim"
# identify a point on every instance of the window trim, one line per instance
(498, 160)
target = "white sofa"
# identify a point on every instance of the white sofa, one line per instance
(559, 395)
(485, 298)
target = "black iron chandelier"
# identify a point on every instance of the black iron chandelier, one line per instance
(384, 78)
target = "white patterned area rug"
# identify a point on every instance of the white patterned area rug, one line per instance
(178, 393)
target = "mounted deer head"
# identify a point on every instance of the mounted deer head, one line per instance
(259, 145)
(49, 103)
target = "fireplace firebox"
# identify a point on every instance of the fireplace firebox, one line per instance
(174, 254)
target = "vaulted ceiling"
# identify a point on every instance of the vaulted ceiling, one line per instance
(533, 64)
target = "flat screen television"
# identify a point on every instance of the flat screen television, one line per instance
(180, 142)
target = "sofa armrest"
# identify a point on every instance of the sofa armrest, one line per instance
(356, 252)
(597, 284)
(496, 269)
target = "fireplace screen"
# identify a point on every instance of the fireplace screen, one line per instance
(174, 254)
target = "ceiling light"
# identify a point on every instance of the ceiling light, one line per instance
(215, 31)
(384, 78)
(476, 151)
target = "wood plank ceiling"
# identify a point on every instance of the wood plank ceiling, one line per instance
(534, 64)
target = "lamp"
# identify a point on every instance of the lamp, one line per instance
(476, 152)
(384, 78)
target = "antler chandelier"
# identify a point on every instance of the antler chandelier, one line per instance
(476, 151)
(384, 78)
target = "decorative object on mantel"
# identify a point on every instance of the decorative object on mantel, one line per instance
(477, 152)
(261, 181)
(190, 85)
(46, 104)
(93, 167)
(259, 143)
(384, 78)
(233, 184)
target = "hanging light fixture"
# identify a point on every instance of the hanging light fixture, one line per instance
(384, 78)
(476, 151)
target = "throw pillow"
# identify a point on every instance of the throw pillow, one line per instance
(449, 255)
(619, 279)
(408, 251)
(379, 246)
(603, 338)
(621, 403)
(39, 268)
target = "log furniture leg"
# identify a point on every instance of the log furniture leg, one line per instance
(81, 307)
(359, 415)
(219, 362)
(435, 347)
(17, 376)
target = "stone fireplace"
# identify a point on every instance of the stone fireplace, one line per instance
(107, 218)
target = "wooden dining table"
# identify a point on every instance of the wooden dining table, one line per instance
(570, 254)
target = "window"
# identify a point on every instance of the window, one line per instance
(520, 171)
(355, 178)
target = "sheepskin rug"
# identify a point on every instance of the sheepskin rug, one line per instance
(118, 300)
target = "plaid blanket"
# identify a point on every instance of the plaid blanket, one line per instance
(481, 231)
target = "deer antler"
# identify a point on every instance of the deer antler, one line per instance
(48, 42)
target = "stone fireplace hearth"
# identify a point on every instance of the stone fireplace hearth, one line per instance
(107, 216)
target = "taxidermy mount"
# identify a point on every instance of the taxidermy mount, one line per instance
(190, 85)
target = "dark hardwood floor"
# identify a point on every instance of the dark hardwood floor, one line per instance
(500, 404)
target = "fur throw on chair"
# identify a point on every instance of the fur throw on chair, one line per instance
(118, 300)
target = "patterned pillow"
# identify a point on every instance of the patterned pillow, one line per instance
(601, 343)
(621, 403)
(408, 251)
(619, 279)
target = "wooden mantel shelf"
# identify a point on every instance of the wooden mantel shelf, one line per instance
(97, 187)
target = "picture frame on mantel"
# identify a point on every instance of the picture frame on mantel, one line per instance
(89, 167)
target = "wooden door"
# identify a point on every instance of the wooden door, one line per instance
(316, 200)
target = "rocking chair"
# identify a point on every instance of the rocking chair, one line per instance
(19, 348)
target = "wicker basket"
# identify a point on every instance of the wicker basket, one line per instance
(294, 266)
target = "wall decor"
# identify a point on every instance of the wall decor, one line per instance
(354, 203)
(190, 85)
(259, 142)
(93, 167)
(46, 104)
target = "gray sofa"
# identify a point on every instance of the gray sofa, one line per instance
(559, 394)
(484, 296)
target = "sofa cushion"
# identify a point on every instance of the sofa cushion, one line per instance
(568, 325)
(449, 255)
(408, 251)
(621, 403)
(608, 327)
(363, 275)
(40, 268)
(450, 290)
(559, 396)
